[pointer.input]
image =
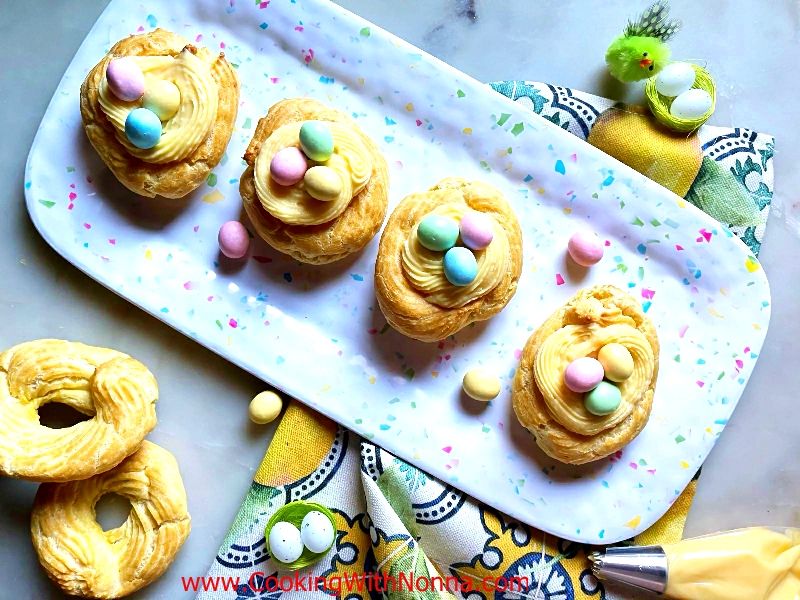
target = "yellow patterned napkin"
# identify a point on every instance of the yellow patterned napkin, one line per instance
(398, 525)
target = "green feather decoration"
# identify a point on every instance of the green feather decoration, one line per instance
(641, 51)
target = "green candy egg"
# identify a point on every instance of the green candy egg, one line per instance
(603, 400)
(316, 140)
(437, 232)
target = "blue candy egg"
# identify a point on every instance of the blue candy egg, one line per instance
(143, 128)
(460, 266)
(316, 140)
(437, 232)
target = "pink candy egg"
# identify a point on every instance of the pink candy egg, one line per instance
(583, 374)
(233, 239)
(125, 79)
(288, 166)
(585, 248)
(476, 230)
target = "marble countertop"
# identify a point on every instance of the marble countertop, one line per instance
(752, 477)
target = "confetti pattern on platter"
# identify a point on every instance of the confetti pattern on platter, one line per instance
(317, 333)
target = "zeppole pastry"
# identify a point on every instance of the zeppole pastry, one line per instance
(315, 186)
(160, 112)
(448, 257)
(81, 558)
(585, 383)
(116, 391)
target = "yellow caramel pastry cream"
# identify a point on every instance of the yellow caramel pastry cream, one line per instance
(424, 268)
(160, 111)
(558, 417)
(745, 564)
(197, 108)
(292, 204)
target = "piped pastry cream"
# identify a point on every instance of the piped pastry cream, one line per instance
(160, 111)
(183, 132)
(560, 394)
(449, 256)
(578, 340)
(292, 204)
(424, 268)
(315, 186)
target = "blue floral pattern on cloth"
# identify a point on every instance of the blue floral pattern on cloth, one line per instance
(746, 154)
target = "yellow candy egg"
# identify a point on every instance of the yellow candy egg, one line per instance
(617, 362)
(322, 183)
(162, 97)
(481, 384)
(265, 407)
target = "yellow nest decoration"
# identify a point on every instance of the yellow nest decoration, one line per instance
(660, 105)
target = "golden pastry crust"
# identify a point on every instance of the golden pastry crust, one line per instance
(81, 558)
(404, 307)
(331, 241)
(118, 392)
(531, 408)
(177, 178)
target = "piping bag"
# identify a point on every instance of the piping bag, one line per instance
(757, 563)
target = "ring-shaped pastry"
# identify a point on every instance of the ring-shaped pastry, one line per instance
(435, 309)
(556, 416)
(118, 392)
(81, 558)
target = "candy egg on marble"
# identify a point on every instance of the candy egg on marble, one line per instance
(437, 232)
(323, 183)
(674, 79)
(481, 384)
(125, 79)
(585, 248)
(285, 542)
(603, 400)
(691, 105)
(617, 362)
(317, 532)
(460, 266)
(233, 239)
(265, 407)
(143, 128)
(583, 374)
(316, 140)
(476, 230)
(288, 166)
(162, 97)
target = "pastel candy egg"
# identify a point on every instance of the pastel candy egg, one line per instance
(603, 400)
(691, 105)
(585, 248)
(617, 362)
(674, 79)
(476, 230)
(323, 183)
(317, 532)
(460, 266)
(162, 97)
(233, 239)
(437, 232)
(481, 384)
(316, 140)
(583, 374)
(285, 542)
(288, 166)
(143, 128)
(125, 79)
(265, 408)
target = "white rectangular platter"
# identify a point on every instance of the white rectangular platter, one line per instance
(316, 332)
